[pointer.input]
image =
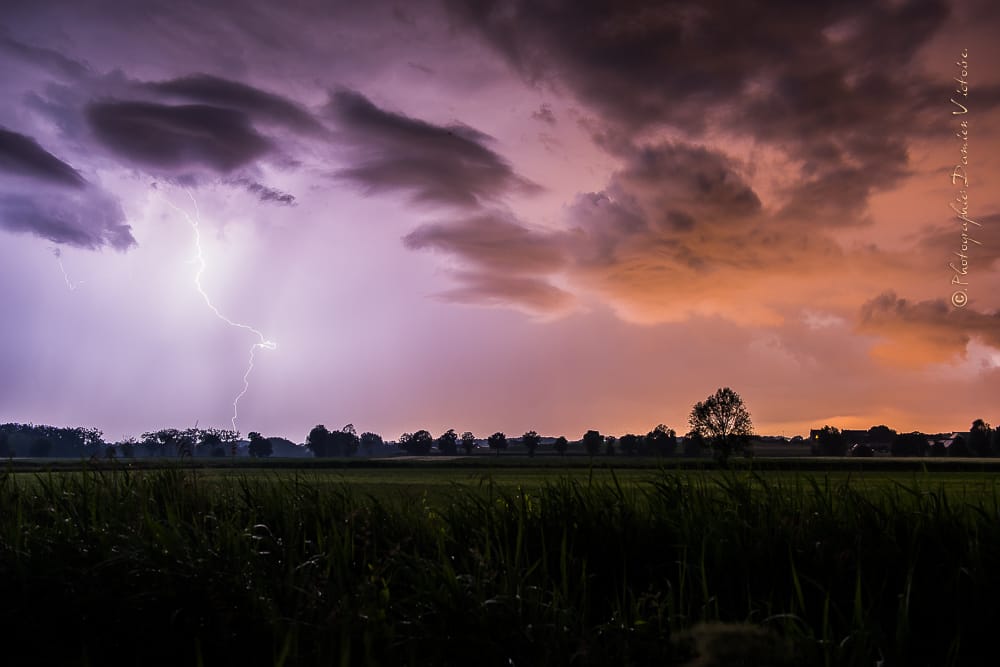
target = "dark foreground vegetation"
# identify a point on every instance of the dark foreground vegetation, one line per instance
(173, 567)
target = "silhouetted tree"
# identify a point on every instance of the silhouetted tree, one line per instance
(881, 437)
(447, 443)
(661, 441)
(468, 442)
(995, 441)
(909, 444)
(979, 438)
(561, 445)
(497, 441)
(629, 444)
(723, 421)
(830, 442)
(4, 446)
(259, 445)
(210, 443)
(418, 444)
(609, 445)
(344, 442)
(938, 449)
(318, 441)
(531, 440)
(592, 441)
(371, 442)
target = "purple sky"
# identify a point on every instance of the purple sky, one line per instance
(496, 216)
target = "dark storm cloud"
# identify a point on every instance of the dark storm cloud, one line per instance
(85, 218)
(23, 156)
(174, 137)
(265, 193)
(831, 85)
(934, 326)
(492, 240)
(42, 195)
(252, 101)
(436, 164)
(662, 195)
(652, 61)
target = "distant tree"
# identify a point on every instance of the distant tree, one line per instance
(40, 448)
(447, 443)
(497, 441)
(260, 447)
(4, 446)
(468, 442)
(995, 441)
(592, 441)
(318, 441)
(371, 442)
(418, 444)
(980, 434)
(609, 445)
(629, 444)
(830, 442)
(210, 442)
(561, 445)
(531, 440)
(126, 447)
(344, 442)
(881, 437)
(723, 421)
(909, 444)
(661, 441)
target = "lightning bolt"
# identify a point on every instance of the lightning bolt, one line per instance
(199, 259)
(69, 283)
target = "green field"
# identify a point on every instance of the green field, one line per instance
(500, 562)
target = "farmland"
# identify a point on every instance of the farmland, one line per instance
(500, 562)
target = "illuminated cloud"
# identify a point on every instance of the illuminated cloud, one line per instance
(923, 332)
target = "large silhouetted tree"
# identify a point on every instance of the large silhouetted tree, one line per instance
(468, 442)
(561, 445)
(661, 441)
(497, 441)
(260, 447)
(417, 444)
(592, 441)
(318, 441)
(723, 421)
(447, 443)
(531, 440)
(979, 438)
(371, 442)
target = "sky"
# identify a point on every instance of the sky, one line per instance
(498, 216)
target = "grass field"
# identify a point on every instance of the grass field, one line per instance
(415, 562)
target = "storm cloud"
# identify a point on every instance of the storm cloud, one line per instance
(174, 137)
(42, 195)
(435, 164)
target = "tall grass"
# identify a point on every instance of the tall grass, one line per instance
(159, 567)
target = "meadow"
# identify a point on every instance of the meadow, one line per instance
(500, 563)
